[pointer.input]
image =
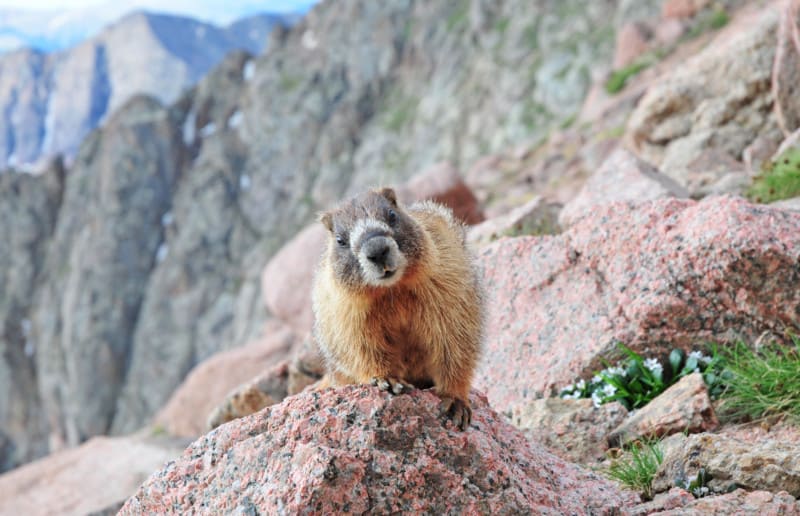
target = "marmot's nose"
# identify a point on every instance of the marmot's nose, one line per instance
(376, 250)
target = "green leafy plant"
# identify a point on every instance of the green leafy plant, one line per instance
(637, 467)
(779, 179)
(636, 381)
(765, 382)
(713, 368)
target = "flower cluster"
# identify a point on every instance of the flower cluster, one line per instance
(637, 380)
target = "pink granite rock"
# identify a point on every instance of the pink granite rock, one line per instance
(358, 450)
(632, 41)
(286, 280)
(622, 177)
(442, 183)
(673, 499)
(94, 478)
(536, 217)
(684, 407)
(767, 465)
(739, 502)
(663, 274)
(772, 429)
(788, 204)
(575, 430)
(261, 392)
(682, 8)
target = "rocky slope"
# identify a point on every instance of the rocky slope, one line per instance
(181, 207)
(50, 102)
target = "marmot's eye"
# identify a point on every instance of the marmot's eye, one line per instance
(392, 217)
(341, 241)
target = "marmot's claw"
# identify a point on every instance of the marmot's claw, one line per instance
(391, 385)
(457, 410)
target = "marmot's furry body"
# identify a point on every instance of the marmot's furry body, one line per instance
(397, 301)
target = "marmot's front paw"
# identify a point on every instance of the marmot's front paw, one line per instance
(391, 384)
(457, 410)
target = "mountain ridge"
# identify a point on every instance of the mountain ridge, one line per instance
(49, 102)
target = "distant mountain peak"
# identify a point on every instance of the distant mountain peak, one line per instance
(50, 101)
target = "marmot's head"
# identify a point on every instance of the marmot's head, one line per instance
(373, 242)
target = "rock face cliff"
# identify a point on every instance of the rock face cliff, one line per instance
(170, 212)
(28, 208)
(50, 102)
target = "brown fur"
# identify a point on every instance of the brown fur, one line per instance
(425, 329)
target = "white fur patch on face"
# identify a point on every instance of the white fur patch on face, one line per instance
(362, 226)
(374, 274)
(387, 275)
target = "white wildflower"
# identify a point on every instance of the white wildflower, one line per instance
(654, 366)
(567, 391)
(700, 357)
(581, 385)
(609, 390)
(596, 399)
(597, 379)
(615, 371)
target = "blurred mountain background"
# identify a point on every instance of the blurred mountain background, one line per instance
(64, 71)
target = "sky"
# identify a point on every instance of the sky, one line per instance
(52, 25)
(183, 5)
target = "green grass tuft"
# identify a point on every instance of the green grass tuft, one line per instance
(618, 78)
(637, 468)
(779, 179)
(764, 382)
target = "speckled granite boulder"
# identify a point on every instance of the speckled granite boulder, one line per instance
(739, 502)
(675, 498)
(357, 450)
(575, 430)
(658, 275)
(684, 407)
(767, 465)
(622, 177)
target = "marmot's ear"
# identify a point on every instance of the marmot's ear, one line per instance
(327, 220)
(389, 194)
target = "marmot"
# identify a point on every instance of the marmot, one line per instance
(397, 301)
